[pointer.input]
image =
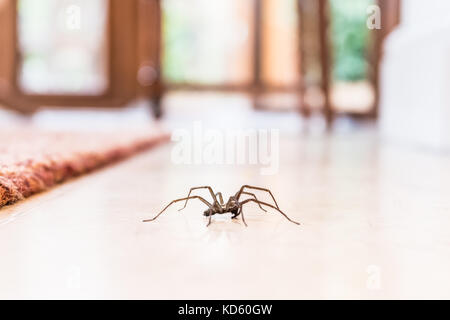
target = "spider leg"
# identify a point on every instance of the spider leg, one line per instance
(238, 194)
(209, 220)
(173, 201)
(241, 211)
(195, 188)
(269, 205)
(220, 197)
(253, 195)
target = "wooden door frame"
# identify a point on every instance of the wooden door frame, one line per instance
(390, 15)
(122, 52)
(149, 41)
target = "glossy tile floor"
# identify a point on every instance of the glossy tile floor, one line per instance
(375, 224)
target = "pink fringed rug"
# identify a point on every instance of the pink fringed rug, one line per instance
(32, 161)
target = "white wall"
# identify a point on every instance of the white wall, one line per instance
(415, 77)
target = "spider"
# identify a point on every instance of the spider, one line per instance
(233, 206)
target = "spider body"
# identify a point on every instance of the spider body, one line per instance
(233, 205)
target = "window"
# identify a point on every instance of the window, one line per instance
(63, 46)
(77, 52)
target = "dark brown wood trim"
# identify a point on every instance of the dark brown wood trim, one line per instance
(325, 59)
(257, 50)
(303, 107)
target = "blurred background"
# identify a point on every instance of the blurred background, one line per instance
(301, 56)
(310, 62)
